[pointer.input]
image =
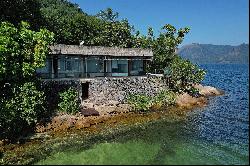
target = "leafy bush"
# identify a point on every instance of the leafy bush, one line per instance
(51, 90)
(21, 110)
(141, 102)
(165, 98)
(69, 102)
(182, 75)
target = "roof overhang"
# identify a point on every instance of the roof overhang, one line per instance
(61, 49)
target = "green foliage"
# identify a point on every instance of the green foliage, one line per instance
(22, 51)
(141, 102)
(114, 34)
(69, 101)
(182, 75)
(69, 24)
(108, 15)
(21, 10)
(165, 46)
(20, 110)
(165, 98)
(73, 26)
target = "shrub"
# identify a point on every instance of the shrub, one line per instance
(141, 102)
(182, 75)
(21, 110)
(51, 90)
(69, 101)
(165, 98)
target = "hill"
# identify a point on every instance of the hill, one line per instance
(209, 53)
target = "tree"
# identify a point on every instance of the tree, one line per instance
(22, 51)
(114, 34)
(108, 15)
(165, 46)
(21, 10)
(182, 75)
(69, 24)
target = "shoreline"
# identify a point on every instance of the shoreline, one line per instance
(65, 126)
(63, 122)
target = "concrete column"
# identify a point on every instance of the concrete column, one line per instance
(86, 67)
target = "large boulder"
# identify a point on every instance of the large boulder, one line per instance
(185, 100)
(208, 90)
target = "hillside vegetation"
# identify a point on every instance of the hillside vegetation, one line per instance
(208, 53)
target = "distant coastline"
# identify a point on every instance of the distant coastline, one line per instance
(215, 54)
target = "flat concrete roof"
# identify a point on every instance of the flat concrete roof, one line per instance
(62, 49)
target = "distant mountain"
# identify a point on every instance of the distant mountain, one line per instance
(209, 53)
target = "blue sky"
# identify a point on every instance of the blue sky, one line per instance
(224, 22)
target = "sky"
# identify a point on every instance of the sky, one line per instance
(220, 22)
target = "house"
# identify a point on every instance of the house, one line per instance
(77, 61)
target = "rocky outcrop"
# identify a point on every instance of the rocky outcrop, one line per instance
(107, 97)
(208, 90)
(187, 101)
(95, 115)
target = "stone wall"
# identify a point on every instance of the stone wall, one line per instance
(105, 91)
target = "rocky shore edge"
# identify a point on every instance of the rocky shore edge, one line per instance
(94, 114)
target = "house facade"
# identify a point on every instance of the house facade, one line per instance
(76, 61)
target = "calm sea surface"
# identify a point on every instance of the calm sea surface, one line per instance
(215, 134)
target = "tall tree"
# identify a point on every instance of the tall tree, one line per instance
(108, 15)
(22, 51)
(165, 46)
(21, 10)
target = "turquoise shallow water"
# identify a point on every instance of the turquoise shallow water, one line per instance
(216, 134)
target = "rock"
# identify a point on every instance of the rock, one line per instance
(185, 100)
(208, 90)
(88, 105)
(37, 136)
(113, 103)
(89, 112)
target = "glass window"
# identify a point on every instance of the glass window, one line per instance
(137, 67)
(95, 65)
(72, 64)
(61, 64)
(119, 66)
